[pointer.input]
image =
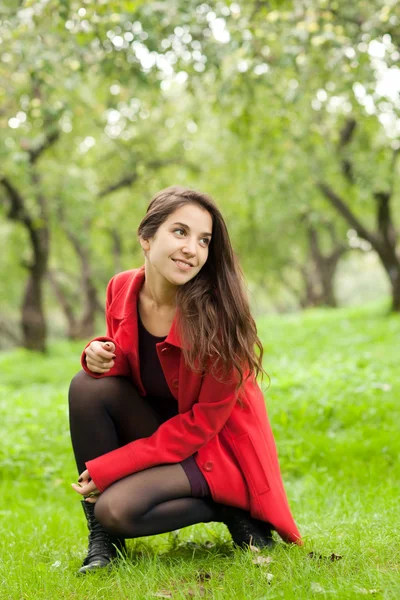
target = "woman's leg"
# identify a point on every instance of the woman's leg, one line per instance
(153, 501)
(105, 414)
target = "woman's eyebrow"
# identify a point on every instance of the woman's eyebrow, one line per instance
(188, 228)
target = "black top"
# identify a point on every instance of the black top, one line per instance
(152, 376)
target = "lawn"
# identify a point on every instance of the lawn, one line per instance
(334, 407)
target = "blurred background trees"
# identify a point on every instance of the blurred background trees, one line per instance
(287, 113)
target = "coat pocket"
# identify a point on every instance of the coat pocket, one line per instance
(250, 463)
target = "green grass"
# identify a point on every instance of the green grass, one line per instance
(334, 406)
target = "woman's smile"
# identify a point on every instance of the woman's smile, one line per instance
(183, 266)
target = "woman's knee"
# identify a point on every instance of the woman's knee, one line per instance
(78, 379)
(110, 514)
(80, 385)
(83, 385)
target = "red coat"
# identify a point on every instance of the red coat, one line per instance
(232, 442)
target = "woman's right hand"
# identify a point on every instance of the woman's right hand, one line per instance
(99, 356)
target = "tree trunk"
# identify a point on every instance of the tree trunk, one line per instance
(32, 317)
(308, 298)
(392, 267)
(66, 305)
(327, 270)
(324, 266)
(33, 320)
(327, 295)
(87, 321)
(116, 249)
(317, 281)
(396, 296)
(78, 327)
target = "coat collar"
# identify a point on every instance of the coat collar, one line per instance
(124, 303)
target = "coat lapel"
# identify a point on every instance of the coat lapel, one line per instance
(123, 308)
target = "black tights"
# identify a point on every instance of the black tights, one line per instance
(105, 414)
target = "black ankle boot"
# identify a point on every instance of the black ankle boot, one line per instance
(103, 548)
(245, 530)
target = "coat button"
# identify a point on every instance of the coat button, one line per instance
(175, 383)
(208, 466)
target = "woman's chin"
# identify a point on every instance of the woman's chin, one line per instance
(180, 278)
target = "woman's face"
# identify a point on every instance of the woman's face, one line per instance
(180, 246)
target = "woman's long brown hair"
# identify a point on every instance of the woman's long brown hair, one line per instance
(217, 331)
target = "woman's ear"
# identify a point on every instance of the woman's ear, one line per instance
(145, 244)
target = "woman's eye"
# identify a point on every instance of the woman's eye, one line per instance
(179, 231)
(205, 241)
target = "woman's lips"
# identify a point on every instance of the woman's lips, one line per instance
(182, 265)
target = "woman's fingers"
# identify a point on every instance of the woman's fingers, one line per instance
(91, 500)
(77, 488)
(104, 350)
(109, 346)
(84, 476)
(86, 489)
(96, 368)
(100, 356)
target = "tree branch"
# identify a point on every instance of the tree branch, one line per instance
(384, 219)
(332, 233)
(338, 252)
(346, 19)
(128, 180)
(121, 183)
(17, 211)
(395, 154)
(345, 211)
(346, 136)
(49, 140)
(347, 132)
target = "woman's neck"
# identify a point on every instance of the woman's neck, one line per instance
(157, 290)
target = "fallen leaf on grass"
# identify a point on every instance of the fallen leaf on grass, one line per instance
(364, 591)
(262, 560)
(316, 587)
(269, 577)
(203, 576)
(201, 591)
(332, 557)
(254, 548)
(163, 594)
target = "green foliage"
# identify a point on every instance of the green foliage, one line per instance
(245, 101)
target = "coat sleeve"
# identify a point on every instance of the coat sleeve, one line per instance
(121, 363)
(176, 439)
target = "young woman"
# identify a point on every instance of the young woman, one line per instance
(168, 424)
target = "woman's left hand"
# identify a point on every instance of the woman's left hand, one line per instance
(86, 487)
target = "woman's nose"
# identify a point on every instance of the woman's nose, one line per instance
(189, 247)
